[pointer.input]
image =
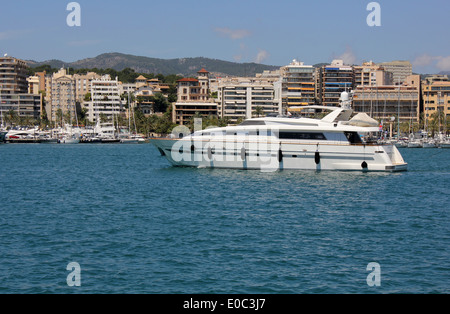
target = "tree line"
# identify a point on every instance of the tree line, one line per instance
(126, 75)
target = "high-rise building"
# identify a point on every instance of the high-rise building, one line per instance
(399, 69)
(299, 85)
(247, 97)
(105, 95)
(14, 95)
(13, 76)
(63, 102)
(333, 80)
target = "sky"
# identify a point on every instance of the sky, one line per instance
(269, 32)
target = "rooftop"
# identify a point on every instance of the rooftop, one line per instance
(188, 79)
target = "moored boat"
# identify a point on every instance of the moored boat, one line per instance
(415, 144)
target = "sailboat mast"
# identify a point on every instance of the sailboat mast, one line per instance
(398, 111)
(129, 113)
(1, 111)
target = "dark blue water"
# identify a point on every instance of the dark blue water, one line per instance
(136, 225)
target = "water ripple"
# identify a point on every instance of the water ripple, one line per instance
(137, 225)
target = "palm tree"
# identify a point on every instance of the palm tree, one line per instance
(435, 122)
(224, 121)
(59, 116)
(259, 111)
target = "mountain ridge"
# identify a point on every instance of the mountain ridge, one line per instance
(141, 64)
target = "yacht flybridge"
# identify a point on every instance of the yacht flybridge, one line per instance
(336, 142)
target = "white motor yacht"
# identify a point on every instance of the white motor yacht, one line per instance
(276, 143)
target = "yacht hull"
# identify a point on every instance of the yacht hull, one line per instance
(280, 155)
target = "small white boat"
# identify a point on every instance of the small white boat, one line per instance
(129, 140)
(429, 144)
(401, 144)
(415, 144)
(132, 139)
(68, 140)
(445, 144)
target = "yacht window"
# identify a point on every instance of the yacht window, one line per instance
(353, 137)
(302, 136)
(250, 122)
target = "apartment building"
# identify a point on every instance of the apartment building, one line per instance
(387, 101)
(333, 80)
(14, 89)
(63, 101)
(193, 96)
(436, 98)
(105, 99)
(370, 74)
(400, 70)
(33, 84)
(298, 84)
(13, 76)
(247, 97)
(83, 84)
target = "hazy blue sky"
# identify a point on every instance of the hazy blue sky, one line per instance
(270, 32)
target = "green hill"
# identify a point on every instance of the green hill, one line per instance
(182, 66)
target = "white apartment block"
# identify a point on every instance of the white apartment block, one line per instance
(105, 99)
(240, 97)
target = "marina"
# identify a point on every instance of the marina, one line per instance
(100, 134)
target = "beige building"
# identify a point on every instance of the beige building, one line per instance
(436, 97)
(387, 101)
(33, 84)
(83, 84)
(193, 96)
(62, 97)
(435, 78)
(370, 74)
(144, 99)
(298, 84)
(399, 69)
